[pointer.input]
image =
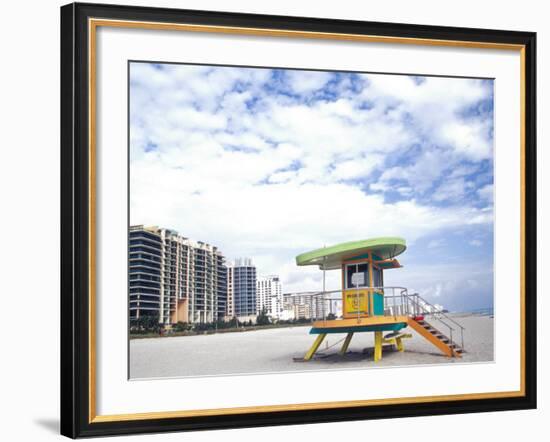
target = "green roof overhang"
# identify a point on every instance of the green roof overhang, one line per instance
(329, 258)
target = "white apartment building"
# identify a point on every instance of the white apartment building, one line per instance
(175, 278)
(305, 307)
(269, 296)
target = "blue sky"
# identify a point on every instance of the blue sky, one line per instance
(269, 163)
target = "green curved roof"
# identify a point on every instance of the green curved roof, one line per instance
(329, 258)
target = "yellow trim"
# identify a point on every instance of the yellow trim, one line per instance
(302, 406)
(302, 34)
(92, 25)
(361, 322)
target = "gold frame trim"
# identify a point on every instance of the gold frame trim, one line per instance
(93, 24)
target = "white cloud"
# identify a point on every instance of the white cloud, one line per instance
(273, 223)
(422, 174)
(306, 82)
(453, 189)
(436, 107)
(458, 286)
(486, 193)
(357, 168)
(263, 175)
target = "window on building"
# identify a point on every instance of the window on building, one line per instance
(377, 277)
(362, 275)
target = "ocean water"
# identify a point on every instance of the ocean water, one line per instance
(487, 311)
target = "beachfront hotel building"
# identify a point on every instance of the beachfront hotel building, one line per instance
(241, 290)
(269, 296)
(178, 279)
(305, 307)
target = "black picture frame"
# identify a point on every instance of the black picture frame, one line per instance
(76, 249)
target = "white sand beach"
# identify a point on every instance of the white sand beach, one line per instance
(274, 350)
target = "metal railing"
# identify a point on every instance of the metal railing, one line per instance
(397, 302)
(421, 307)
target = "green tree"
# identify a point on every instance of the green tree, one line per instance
(181, 327)
(233, 322)
(145, 324)
(262, 318)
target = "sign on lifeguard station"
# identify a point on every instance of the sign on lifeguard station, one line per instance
(368, 305)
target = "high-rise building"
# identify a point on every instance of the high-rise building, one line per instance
(269, 296)
(241, 289)
(146, 253)
(174, 277)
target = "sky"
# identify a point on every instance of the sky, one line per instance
(271, 163)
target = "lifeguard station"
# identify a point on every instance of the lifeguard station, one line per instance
(369, 306)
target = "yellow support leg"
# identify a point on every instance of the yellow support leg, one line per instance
(377, 345)
(397, 340)
(315, 346)
(345, 345)
(399, 344)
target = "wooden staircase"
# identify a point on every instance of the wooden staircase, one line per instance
(433, 335)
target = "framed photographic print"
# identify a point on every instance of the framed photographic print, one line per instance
(273, 220)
